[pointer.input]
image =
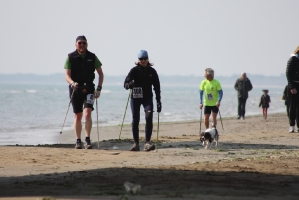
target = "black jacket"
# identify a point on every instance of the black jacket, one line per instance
(145, 77)
(82, 70)
(265, 100)
(292, 72)
(243, 86)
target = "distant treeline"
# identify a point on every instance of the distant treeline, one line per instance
(257, 80)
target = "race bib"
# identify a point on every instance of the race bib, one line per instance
(137, 92)
(210, 96)
(90, 99)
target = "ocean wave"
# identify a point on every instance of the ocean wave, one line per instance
(106, 91)
(31, 91)
(14, 91)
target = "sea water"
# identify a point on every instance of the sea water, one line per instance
(38, 111)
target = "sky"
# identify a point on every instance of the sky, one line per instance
(182, 37)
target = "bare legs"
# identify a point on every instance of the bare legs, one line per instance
(265, 112)
(214, 118)
(78, 124)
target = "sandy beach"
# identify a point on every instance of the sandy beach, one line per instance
(255, 159)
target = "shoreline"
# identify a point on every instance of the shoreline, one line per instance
(70, 129)
(68, 136)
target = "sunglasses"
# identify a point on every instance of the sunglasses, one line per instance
(145, 58)
(83, 43)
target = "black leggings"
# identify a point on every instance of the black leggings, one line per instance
(148, 109)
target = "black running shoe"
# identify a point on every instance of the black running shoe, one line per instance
(78, 144)
(88, 143)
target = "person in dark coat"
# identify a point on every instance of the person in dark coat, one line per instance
(292, 74)
(141, 80)
(242, 86)
(264, 103)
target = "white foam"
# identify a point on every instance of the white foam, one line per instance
(106, 91)
(14, 91)
(31, 91)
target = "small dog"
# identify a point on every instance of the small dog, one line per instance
(209, 136)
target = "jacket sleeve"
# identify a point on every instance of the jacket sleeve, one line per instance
(156, 84)
(285, 94)
(260, 104)
(236, 85)
(129, 77)
(249, 86)
(290, 71)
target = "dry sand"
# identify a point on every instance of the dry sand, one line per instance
(256, 159)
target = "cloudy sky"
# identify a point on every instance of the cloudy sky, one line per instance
(182, 37)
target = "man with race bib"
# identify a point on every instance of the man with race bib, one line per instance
(80, 66)
(210, 95)
(140, 80)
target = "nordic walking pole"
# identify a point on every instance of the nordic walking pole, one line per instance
(220, 119)
(67, 111)
(158, 130)
(98, 123)
(124, 115)
(200, 121)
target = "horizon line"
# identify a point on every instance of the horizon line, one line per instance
(159, 75)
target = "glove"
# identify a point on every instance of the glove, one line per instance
(97, 93)
(159, 107)
(74, 85)
(129, 85)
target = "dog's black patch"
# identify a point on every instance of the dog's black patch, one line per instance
(202, 136)
(208, 136)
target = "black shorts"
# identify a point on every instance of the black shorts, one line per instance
(83, 97)
(209, 109)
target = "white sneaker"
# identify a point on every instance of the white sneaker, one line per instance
(291, 130)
